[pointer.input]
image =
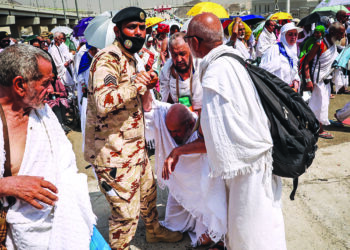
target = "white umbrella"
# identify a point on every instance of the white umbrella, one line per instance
(64, 29)
(99, 33)
(328, 3)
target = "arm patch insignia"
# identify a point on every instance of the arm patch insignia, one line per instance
(110, 79)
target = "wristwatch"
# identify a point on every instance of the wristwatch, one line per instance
(308, 80)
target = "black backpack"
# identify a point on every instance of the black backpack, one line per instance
(294, 127)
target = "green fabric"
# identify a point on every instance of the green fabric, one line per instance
(70, 45)
(311, 41)
(307, 46)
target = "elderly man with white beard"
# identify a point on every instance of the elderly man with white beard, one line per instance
(52, 207)
(238, 40)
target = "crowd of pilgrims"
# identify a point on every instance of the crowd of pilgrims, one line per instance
(301, 56)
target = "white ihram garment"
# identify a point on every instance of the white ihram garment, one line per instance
(60, 57)
(196, 203)
(265, 41)
(239, 147)
(67, 225)
(319, 101)
(83, 78)
(246, 52)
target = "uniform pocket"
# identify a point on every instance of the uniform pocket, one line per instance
(133, 133)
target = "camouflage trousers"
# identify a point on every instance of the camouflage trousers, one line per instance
(130, 191)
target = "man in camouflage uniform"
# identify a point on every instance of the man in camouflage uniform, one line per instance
(115, 142)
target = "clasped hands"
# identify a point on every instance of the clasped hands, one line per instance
(149, 79)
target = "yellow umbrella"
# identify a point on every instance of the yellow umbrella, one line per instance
(151, 21)
(214, 8)
(248, 31)
(281, 16)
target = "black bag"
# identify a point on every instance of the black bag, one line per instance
(294, 127)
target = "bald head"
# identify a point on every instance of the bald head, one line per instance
(341, 16)
(206, 26)
(208, 32)
(179, 121)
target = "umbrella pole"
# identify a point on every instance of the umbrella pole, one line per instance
(276, 6)
(76, 9)
(288, 6)
(64, 12)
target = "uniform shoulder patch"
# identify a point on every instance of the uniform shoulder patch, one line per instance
(110, 79)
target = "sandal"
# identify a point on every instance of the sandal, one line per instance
(218, 246)
(325, 135)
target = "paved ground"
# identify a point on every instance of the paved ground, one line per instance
(318, 218)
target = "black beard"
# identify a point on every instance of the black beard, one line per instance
(181, 70)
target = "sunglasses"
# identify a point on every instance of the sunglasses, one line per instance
(186, 38)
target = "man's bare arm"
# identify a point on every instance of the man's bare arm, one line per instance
(30, 189)
(147, 101)
(195, 147)
(307, 60)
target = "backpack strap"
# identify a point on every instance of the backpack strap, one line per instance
(295, 186)
(320, 51)
(6, 142)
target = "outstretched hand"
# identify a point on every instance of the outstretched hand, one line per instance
(169, 164)
(30, 189)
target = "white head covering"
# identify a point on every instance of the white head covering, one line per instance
(291, 50)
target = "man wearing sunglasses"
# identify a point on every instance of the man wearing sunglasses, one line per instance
(238, 141)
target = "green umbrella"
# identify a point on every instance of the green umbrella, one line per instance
(335, 8)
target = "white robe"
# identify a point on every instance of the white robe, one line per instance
(67, 225)
(319, 101)
(239, 146)
(276, 63)
(248, 53)
(265, 41)
(77, 58)
(188, 185)
(60, 57)
(83, 78)
(168, 85)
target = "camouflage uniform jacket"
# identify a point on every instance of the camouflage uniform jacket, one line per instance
(114, 134)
